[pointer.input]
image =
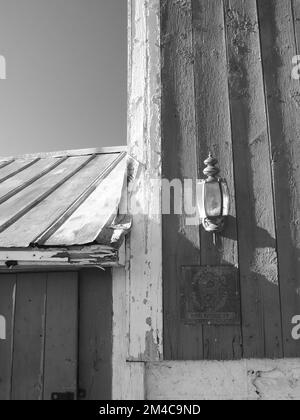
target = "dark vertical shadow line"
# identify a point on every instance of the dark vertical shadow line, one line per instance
(44, 336)
(78, 396)
(294, 25)
(233, 174)
(272, 170)
(19, 170)
(197, 147)
(13, 336)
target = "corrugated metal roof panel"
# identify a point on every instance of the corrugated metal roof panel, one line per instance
(57, 200)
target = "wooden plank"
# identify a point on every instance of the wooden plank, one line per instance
(296, 16)
(95, 334)
(120, 330)
(51, 257)
(15, 168)
(60, 366)
(262, 334)
(103, 175)
(181, 243)
(214, 134)
(29, 336)
(21, 181)
(43, 196)
(46, 199)
(7, 310)
(282, 92)
(144, 254)
(6, 163)
(84, 223)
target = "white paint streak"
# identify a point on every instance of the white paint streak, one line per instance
(2, 328)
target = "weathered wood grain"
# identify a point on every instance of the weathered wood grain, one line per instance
(16, 168)
(278, 42)
(82, 222)
(262, 335)
(7, 310)
(29, 337)
(95, 334)
(45, 200)
(296, 16)
(181, 243)
(71, 257)
(27, 177)
(61, 358)
(214, 134)
(144, 255)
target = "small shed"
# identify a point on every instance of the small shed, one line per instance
(61, 231)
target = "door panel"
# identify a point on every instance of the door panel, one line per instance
(57, 337)
(38, 357)
(95, 334)
(29, 337)
(7, 305)
(60, 374)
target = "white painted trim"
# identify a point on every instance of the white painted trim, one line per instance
(137, 290)
(144, 247)
(231, 380)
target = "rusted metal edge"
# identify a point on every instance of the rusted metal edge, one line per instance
(32, 180)
(8, 162)
(27, 165)
(43, 196)
(87, 256)
(69, 153)
(44, 236)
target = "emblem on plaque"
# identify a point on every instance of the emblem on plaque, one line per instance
(210, 295)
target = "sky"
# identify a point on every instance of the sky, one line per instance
(65, 85)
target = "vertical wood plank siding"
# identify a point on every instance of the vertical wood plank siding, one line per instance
(212, 105)
(227, 87)
(179, 162)
(278, 38)
(255, 214)
(95, 334)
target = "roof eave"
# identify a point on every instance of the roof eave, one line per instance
(17, 259)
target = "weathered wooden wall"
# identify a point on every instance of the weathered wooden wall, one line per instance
(227, 87)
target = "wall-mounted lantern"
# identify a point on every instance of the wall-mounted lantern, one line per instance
(214, 200)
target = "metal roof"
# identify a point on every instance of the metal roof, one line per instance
(62, 198)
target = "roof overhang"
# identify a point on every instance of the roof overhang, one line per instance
(62, 209)
(64, 258)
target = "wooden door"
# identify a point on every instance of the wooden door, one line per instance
(38, 352)
(55, 335)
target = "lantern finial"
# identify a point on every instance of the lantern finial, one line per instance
(211, 170)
